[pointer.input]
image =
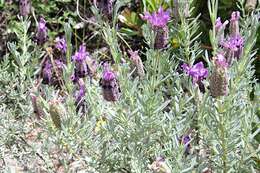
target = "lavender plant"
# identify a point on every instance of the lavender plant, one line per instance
(188, 111)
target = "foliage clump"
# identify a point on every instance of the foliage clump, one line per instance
(129, 86)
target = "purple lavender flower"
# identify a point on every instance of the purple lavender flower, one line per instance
(158, 19)
(109, 76)
(186, 142)
(52, 73)
(197, 71)
(137, 63)
(25, 7)
(110, 86)
(61, 44)
(161, 38)
(47, 73)
(80, 57)
(219, 25)
(233, 46)
(186, 139)
(219, 79)
(234, 43)
(41, 34)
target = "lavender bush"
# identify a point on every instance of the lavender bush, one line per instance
(147, 98)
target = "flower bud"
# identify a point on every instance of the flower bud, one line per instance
(234, 24)
(186, 8)
(36, 107)
(185, 140)
(42, 34)
(56, 112)
(220, 29)
(25, 7)
(138, 66)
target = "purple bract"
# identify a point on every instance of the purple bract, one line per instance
(81, 55)
(42, 25)
(133, 55)
(197, 71)
(157, 19)
(219, 25)
(235, 16)
(61, 44)
(41, 34)
(81, 58)
(233, 43)
(186, 142)
(109, 75)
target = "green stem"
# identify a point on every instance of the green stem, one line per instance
(186, 38)
(223, 142)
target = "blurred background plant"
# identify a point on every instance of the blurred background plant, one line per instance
(163, 121)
